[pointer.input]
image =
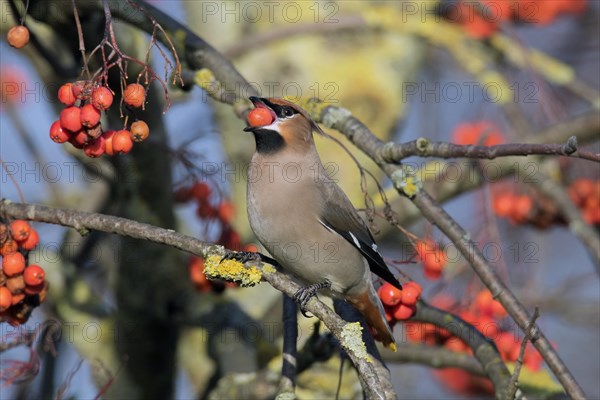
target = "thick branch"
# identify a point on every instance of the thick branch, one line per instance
(435, 357)
(484, 350)
(408, 185)
(395, 152)
(83, 222)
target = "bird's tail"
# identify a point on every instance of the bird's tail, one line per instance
(368, 304)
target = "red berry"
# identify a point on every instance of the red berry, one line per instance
(9, 247)
(416, 286)
(102, 98)
(226, 211)
(78, 89)
(17, 298)
(196, 273)
(20, 229)
(121, 142)
(402, 311)
(410, 295)
(498, 309)
(503, 204)
(65, 94)
(18, 36)
(57, 133)
(205, 210)
(431, 274)
(260, 117)
(251, 247)
(13, 264)
(134, 95)
(89, 115)
(389, 294)
(200, 190)
(31, 241)
(521, 209)
(34, 275)
(139, 131)
(95, 148)
(108, 142)
(483, 302)
(431, 256)
(70, 118)
(80, 139)
(5, 298)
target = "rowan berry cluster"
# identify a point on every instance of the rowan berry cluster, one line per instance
(22, 285)
(482, 19)
(432, 257)
(79, 122)
(223, 213)
(487, 316)
(399, 304)
(541, 212)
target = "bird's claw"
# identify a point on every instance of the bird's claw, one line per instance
(303, 295)
(241, 256)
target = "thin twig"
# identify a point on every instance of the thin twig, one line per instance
(530, 335)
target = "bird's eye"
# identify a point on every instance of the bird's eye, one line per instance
(288, 112)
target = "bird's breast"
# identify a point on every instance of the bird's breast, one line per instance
(283, 209)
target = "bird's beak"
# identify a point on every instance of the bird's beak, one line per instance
(260, 102)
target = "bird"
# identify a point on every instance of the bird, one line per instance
(304, 219)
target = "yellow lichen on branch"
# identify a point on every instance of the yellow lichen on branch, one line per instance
(351, 339)
(231, 270)
(406, 181)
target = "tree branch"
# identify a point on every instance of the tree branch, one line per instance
(408, 185)
(83, 222)
(395, 152)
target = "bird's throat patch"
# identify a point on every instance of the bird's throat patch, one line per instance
(268, 141)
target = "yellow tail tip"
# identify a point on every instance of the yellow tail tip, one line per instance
(392, 347)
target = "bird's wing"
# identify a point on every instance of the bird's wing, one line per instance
(340, 216)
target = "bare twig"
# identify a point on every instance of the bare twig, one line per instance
(530, 335)
(577, 225)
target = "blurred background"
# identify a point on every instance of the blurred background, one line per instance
(136, 320)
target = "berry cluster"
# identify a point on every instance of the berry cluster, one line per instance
(482, 20)
(223, 213)
(486, 315)
(22, 286)
(432, 257)
(517, 208)
(542, 212)
(79, 122)
(399, 304)
(585, 193)
(484, 133)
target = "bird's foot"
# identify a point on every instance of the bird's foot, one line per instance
(241, 256)
(303, 295)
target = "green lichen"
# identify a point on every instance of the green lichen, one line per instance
(352, 340)
(231, 270)
(406, 181)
